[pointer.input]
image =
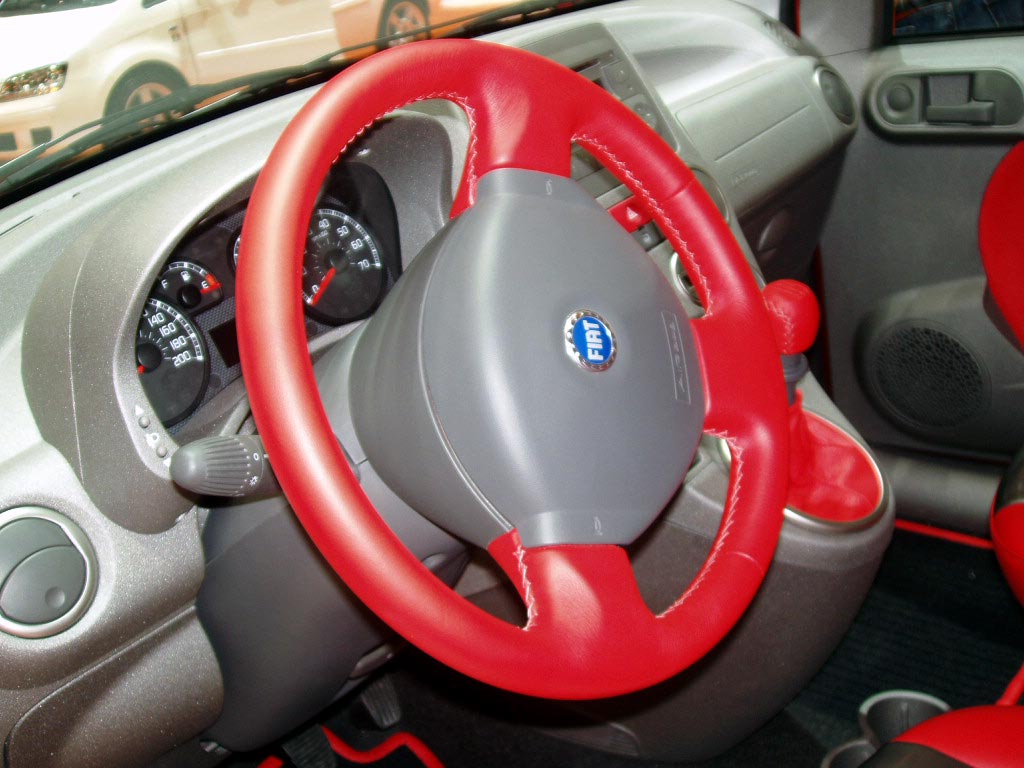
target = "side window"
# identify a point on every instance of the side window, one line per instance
(917, 18)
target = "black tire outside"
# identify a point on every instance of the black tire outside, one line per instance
(142, 84)
(413, 12)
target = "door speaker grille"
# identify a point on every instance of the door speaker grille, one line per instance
(926, 376)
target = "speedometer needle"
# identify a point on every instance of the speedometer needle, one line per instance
(323, 286)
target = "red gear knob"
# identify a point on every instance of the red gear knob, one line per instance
(793, 310)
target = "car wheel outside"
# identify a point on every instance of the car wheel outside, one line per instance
(141, 86)
(403, 21)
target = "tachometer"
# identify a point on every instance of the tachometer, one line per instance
(342, 273)
(172, 361)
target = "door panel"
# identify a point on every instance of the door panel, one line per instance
(916, 360)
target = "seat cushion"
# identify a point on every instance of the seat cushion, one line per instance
(1001, 238)
(1008, 538)
(1007, 526)
(979, 737)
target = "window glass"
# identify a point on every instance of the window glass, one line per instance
(71, 67)
(916, 18)
(20, 7)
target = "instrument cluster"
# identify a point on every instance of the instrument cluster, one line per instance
(186, 346)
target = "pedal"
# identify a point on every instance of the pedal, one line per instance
(310, 749)
(380, 700)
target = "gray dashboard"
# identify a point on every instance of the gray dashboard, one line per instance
(742, 100)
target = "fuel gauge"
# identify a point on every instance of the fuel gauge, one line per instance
(191, 286)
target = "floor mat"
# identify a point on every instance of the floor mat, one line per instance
(468, 724)
(939, 619)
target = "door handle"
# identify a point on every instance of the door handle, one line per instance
(947, 102)
(972, 113)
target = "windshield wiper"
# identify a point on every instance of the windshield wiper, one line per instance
(500, 17)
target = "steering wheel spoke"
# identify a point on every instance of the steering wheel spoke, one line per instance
(569, 587)
(586, 617)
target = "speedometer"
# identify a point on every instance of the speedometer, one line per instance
(171, 360)
(342, 272)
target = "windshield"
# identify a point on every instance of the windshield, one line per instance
(20, 7)
(110, 74)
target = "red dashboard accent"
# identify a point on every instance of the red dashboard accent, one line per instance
(1007, 526)
(630, 214)
(590, 635)
(795, 316)
(985, 737)
(831, 476)
(1001, 238)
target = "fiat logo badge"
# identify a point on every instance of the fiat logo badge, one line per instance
(589, 340)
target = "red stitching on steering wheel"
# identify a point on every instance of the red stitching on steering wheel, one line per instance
(663, 218)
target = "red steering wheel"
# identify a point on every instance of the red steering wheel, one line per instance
(589, 633)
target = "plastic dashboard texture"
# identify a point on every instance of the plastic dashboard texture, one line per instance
(148, 549)
(77, 260)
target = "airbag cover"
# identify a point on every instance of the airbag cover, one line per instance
(563, 451)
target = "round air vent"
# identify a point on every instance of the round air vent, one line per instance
(837, 94)
(925, 376)
(47, 572)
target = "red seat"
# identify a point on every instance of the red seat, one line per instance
(1001, 240)
(979, 737)
(1007, 527)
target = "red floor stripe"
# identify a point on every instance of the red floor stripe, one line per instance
(407, 740)
(942, 533)
(353, 755)
(1014, 691)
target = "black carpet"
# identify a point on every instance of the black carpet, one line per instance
(939, 619)
(468, 724)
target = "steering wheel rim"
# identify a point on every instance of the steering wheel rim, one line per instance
(589, 633)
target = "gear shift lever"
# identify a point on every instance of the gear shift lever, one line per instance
(794, 314)
(831, 476)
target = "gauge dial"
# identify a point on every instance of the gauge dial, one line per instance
(171, 360)
(342, 273)
(190, 286)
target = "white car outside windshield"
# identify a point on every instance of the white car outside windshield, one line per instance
(67, 63)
